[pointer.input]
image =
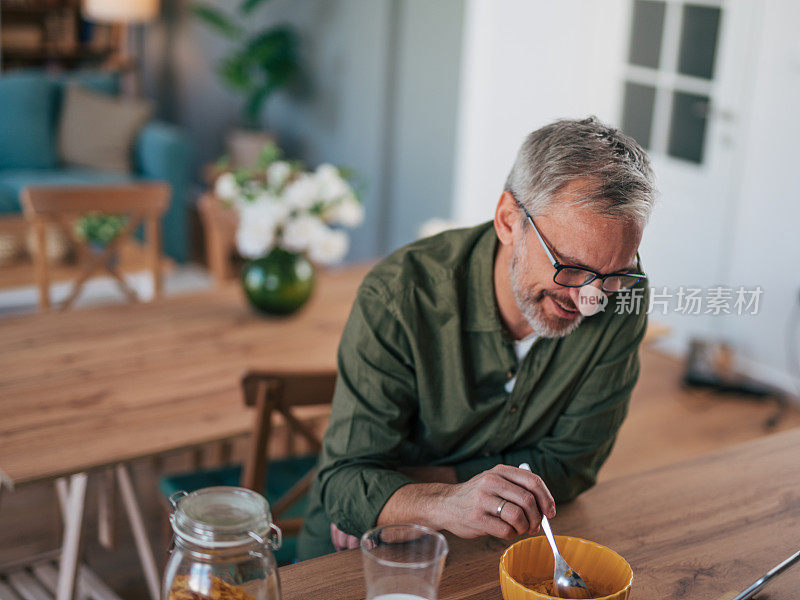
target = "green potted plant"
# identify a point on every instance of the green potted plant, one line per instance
(260, 63)
(98, 230)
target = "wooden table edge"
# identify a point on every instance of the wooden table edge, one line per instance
(94, 467)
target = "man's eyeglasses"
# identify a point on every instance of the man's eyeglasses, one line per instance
(570, 276)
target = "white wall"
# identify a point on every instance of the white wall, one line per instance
(527, 62)
(765, 245)
(524, 64)
(422, 132)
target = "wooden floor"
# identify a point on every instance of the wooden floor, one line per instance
(666, 423)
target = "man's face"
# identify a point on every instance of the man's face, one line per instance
(576, 236)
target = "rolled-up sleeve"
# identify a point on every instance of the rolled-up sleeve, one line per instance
(374, 401)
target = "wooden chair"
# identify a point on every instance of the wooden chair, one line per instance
(219, 228)
(276, 396)
(142, 204)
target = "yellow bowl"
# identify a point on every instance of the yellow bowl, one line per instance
(532, 558)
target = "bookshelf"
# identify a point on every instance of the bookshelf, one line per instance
(51, 34)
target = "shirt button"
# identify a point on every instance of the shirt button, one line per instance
(513, 409)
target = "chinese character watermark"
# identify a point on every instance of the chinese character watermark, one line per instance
(715, 301)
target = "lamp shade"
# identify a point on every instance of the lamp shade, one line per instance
(120, 11)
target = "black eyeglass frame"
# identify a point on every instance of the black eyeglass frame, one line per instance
(595, 275)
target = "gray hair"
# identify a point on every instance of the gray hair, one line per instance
(620, 181)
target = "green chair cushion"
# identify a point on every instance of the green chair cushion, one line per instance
(281, 476)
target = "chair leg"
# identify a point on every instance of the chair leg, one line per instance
(105, 511)
(143, 546)
(40, 265)
(197, 458)
(166, 535)
(61, 486)
(225, 452)
(74, 503)
(62, 493)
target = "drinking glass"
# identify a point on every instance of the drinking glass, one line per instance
(403, 562)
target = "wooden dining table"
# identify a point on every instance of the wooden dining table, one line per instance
(703, 529)
(96, 388)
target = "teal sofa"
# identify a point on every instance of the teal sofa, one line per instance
(29, 114)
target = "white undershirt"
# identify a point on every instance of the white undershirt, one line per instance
(521, 347)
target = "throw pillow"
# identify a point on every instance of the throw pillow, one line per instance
(102, 82)
(98, 131)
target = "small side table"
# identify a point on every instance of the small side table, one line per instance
(219, 229)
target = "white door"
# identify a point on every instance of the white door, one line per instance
(685, 91)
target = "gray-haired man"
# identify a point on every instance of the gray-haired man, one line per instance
(466, 354)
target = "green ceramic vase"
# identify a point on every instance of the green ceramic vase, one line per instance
(278, 283)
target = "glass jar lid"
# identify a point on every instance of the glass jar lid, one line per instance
(221, 517)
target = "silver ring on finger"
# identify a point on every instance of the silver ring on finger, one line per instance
(500, 508)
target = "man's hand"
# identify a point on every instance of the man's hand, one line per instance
(469, 509)
(341, 540)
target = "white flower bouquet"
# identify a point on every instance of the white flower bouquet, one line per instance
(281, 204)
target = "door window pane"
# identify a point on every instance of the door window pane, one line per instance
(688, 126)
(647, 26)
(698, 41)
(637, 112)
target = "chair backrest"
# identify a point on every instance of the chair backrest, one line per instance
(282, 392)
(219, 226)
(141, 204)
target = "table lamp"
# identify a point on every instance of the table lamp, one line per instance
(120, 11)
(123, 13)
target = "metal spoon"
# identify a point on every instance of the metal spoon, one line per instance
(568, 582)
(774, 572)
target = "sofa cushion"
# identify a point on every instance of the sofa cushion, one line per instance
(13, 180)
(103, 82)
(99, 131)
(27, 135)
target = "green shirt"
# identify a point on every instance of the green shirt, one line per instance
(423, 364)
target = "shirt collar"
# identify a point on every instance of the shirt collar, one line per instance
(481, 312)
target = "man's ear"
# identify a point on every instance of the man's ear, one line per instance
(506, 219)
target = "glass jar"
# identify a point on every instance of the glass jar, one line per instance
(222, 547)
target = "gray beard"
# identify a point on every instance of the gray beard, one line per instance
(531, 305)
